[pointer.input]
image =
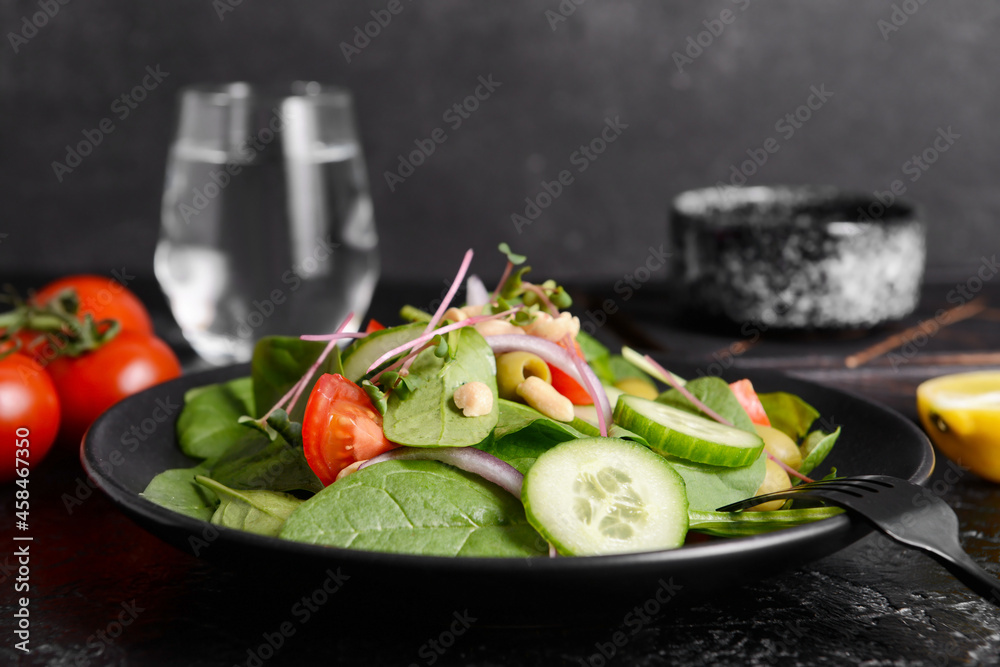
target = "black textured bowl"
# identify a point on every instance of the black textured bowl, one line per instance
(519, 591)
(797, 257)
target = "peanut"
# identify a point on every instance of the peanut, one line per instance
(543, 397)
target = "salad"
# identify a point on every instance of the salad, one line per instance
(496, 428)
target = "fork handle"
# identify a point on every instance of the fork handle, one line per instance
(971, 574)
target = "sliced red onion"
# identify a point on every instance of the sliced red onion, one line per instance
(562, 360)
(468, 459)
(476, 293)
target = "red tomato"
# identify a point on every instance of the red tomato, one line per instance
(104, 298)
(566, 385)
(29, 412)
(93, 382)
(340, 426)
(750, 401)
(374, 325)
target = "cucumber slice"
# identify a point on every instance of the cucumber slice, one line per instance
(688, 436)
(597, 496)
(358, 357)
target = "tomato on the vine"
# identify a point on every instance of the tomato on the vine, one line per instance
(29, 411)
(340, 426)
(94, 381)
(103, 298)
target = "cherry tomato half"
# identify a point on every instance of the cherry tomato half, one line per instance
(566, 385)
(104, 298)
(29, 413)
(745, 394)
(93, 382)
(340, 426)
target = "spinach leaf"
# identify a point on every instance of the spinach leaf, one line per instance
(207, 425)
(416, 507)
(260, 512)
(522, 448)
(716, 394)
(788, 413)
(523, 433)
(740, 524)
(177, 490)
(815, 448)
(257, 462)
(623, 368)
(709, 487)
(597, 356)
(279, 362)
(427, 416)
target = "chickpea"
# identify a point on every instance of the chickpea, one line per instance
(513, 368)
(474, 399)
(637, 387)
(776, 479)
(780, 446)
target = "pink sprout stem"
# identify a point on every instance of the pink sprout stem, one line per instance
(687, 394)
(423, 338)
(299, 387)
(503, 279)
(451, 291)
(543, 297)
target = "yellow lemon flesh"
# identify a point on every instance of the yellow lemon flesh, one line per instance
(961, 413)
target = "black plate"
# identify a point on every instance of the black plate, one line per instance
(875, 440)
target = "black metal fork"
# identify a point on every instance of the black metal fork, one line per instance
(906, 512)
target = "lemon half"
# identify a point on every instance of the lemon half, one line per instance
(961, 413)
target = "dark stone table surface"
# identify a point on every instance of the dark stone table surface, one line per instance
(105, 592)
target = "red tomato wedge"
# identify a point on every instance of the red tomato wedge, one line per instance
(340, 426)
(566, 385)
(374, 325)
(750, 401)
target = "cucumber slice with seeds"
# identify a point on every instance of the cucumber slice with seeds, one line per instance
(688, 436)
(597, 496)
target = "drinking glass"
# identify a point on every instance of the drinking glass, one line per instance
(267, 224)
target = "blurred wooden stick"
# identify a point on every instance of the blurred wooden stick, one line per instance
(949, 317)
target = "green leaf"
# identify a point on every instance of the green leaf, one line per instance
(716, 394)
(376, 395)
(260, 512)
(207, 425)
(597, 356)
(256, 462)
(741, 524)
(427, 416)
(281, 361)
(788, 413)
(512, 286)
(621, 368)
(815, 448)
(709, 487)
(177, 490)
(512, 257)
(416, 507)
(523, 433)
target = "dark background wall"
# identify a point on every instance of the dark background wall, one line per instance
(892, 92)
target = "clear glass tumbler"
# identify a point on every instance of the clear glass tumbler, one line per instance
(267, 223)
